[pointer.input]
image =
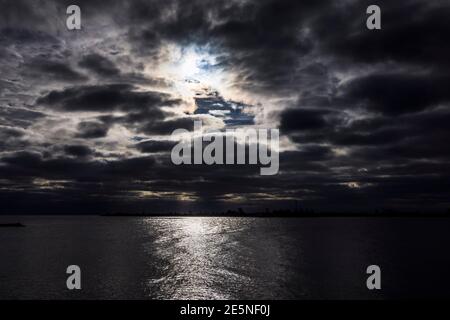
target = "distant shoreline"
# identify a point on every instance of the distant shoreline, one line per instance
(291, 215)
(262, 215)
(11, 225)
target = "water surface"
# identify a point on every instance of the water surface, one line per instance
(223, 258)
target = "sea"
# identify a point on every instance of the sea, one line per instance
(224, 257)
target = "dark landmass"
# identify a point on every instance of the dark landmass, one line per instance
(304, 213)
(11, 225)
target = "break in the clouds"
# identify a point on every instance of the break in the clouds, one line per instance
(86, 116)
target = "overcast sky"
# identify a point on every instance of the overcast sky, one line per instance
(86, 116)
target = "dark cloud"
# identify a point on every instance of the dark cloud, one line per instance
(105, 98)
(26, 164)
(348, 137)
(46, 70)
(20, 36)
(307, 155)
(303, 119)
(19, 117)
(153, 146)
(99, 65)
(12, 138)
(92, 130)
(381, 131)
(165, 127)
(395, 94)
(10, 132)
(78, 150)
(413, 32)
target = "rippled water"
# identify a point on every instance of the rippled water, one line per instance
(223, 258)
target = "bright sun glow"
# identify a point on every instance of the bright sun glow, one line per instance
(190, 65)
(194, 70)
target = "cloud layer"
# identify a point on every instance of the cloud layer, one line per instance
(86, 116)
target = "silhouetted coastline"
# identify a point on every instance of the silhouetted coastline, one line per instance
(11, 225)
(302, 213)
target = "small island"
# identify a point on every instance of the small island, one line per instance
(11, 225)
